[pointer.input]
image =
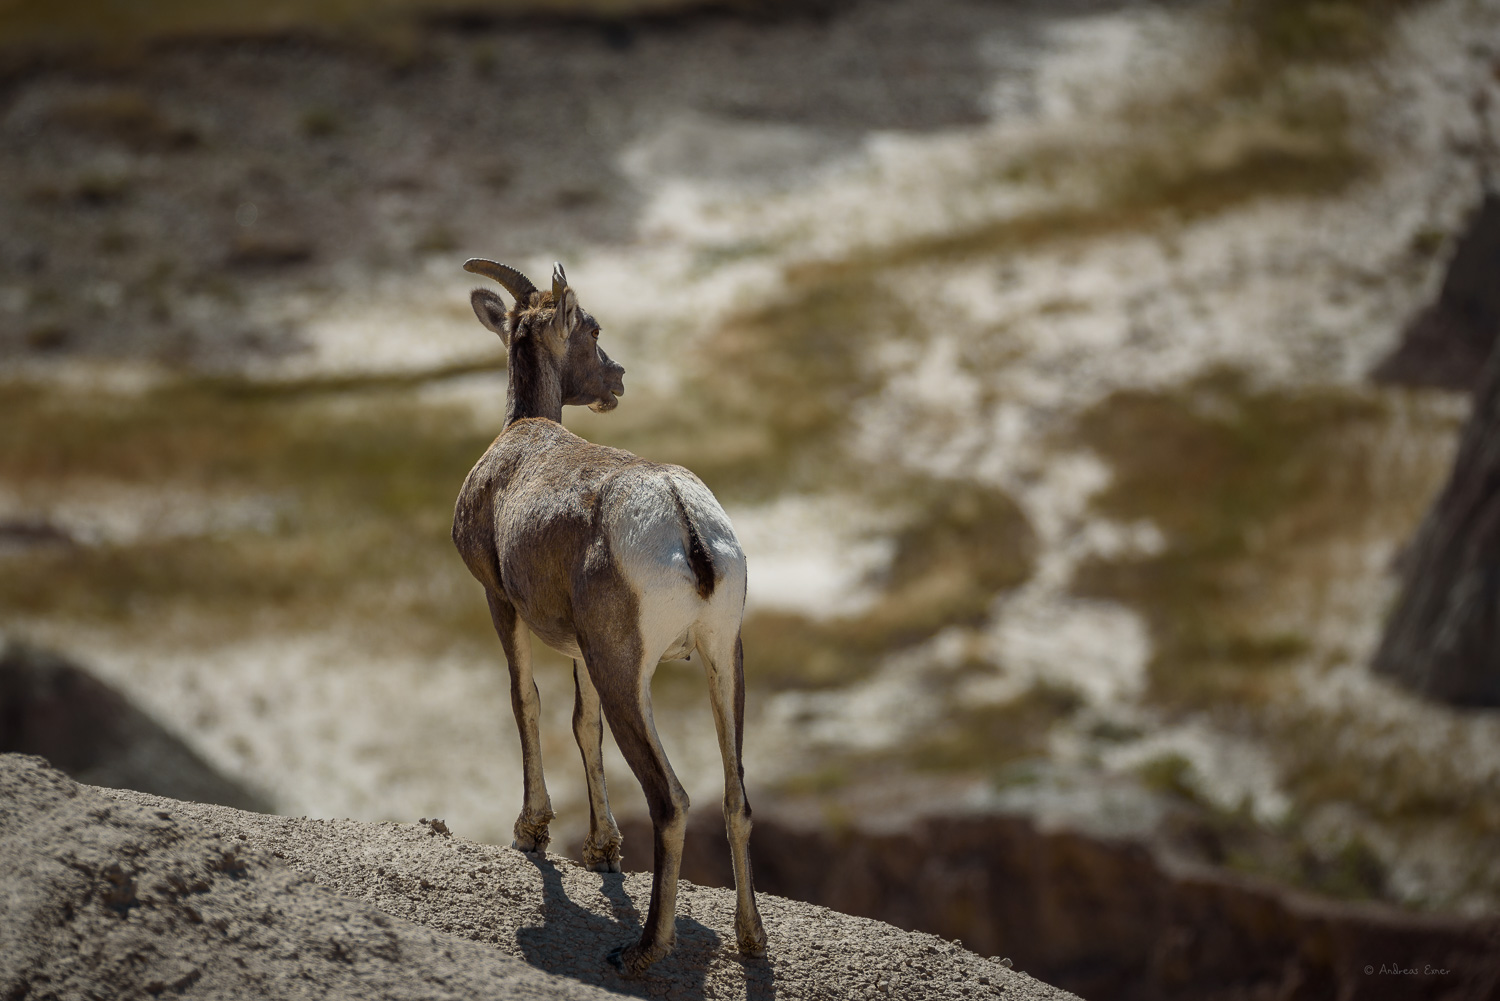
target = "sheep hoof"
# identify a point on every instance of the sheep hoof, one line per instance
(752, 938)
(531, 832)
(602, 856)
(632, 960)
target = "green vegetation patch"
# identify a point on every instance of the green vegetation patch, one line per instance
(1346, 757)
(990, 738)
(393, 456)
(962, 546)
(1347, 868)
(1171, 775)
(794, 370)
(1191, 178)
(362, 491)
(771, 394)
(1180, 171)
(1316, 30)
(1243, 483)
(967, 544)
(104, 25)
(1411, 791)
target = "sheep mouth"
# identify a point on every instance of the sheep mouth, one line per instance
(614, 388)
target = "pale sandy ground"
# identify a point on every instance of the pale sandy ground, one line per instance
(112, 893)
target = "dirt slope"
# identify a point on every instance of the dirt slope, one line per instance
(128, 894)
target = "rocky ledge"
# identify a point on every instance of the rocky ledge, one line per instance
(122, 894)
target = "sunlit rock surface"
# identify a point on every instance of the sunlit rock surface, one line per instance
(113, 893)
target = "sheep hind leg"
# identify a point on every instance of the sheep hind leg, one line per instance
(624, 692)
(601, 849)
(531, 829)
(724, 665)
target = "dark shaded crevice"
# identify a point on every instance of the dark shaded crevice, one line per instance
(52, 707)
(1447, 343)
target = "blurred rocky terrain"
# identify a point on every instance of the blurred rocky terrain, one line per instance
(1104, 917)
(57, 710)
(191, 204)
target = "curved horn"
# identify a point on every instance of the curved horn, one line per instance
(559, 282)
(515, 283)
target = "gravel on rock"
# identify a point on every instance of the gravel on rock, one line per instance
(145, 893)
(104, 897)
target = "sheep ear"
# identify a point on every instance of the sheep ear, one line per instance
(565, 305)
(562, 295)
(564, 319)
(490, 309)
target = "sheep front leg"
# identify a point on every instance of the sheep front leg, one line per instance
(536, 812)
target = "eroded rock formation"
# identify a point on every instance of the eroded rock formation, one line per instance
(1447, 343)
(1106, 918)
(1443, 637)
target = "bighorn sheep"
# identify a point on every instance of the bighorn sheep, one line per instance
(612, 560)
